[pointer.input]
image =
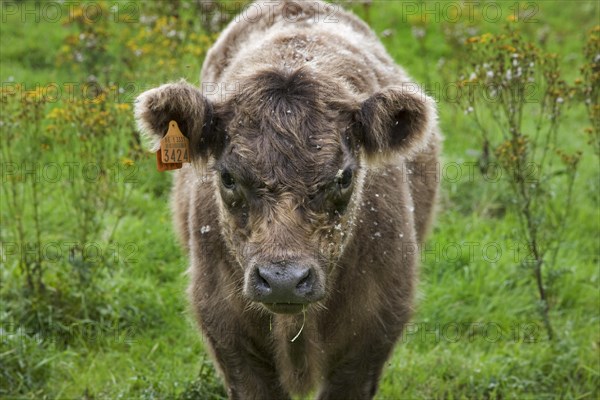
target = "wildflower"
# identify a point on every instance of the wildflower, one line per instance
(128, 162)
(519, 71)
(56, 113)
(418, 33)
(486, 37)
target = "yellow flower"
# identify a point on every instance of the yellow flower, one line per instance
(36, 96)
(509, 48)
(128, 162)
(486, 37)
(56, 113)
(77, 13)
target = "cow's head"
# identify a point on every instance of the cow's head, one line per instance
(288, 154)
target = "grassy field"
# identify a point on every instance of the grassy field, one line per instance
(92, 279)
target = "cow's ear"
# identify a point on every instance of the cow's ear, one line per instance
(186, 105)
(395, 120)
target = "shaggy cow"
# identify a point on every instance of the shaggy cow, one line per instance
(306, 199)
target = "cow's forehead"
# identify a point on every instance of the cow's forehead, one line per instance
(285, 160)
(285, 134)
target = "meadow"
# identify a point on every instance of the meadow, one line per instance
(93, 282)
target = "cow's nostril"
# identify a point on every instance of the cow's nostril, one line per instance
(305, 281)
(262, 285)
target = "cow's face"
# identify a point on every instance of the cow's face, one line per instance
(289, 181)
(289, 154)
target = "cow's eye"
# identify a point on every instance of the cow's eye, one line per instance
(227, 180)
(344, 179)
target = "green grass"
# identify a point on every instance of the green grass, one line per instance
(477, 332)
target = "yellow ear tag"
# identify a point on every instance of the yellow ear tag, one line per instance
(174, 149)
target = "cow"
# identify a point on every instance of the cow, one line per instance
(308, 194)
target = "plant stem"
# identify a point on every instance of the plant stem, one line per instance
(537, 270)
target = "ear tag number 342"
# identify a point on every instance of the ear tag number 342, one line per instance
(174, 149)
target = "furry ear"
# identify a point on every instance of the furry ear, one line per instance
(186, 105)
(395, 120)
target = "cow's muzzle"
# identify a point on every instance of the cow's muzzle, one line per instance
(284, 287)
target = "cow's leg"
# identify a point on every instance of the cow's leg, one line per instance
(355, 374)
(246, 365)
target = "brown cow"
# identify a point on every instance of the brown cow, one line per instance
(307, 197)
